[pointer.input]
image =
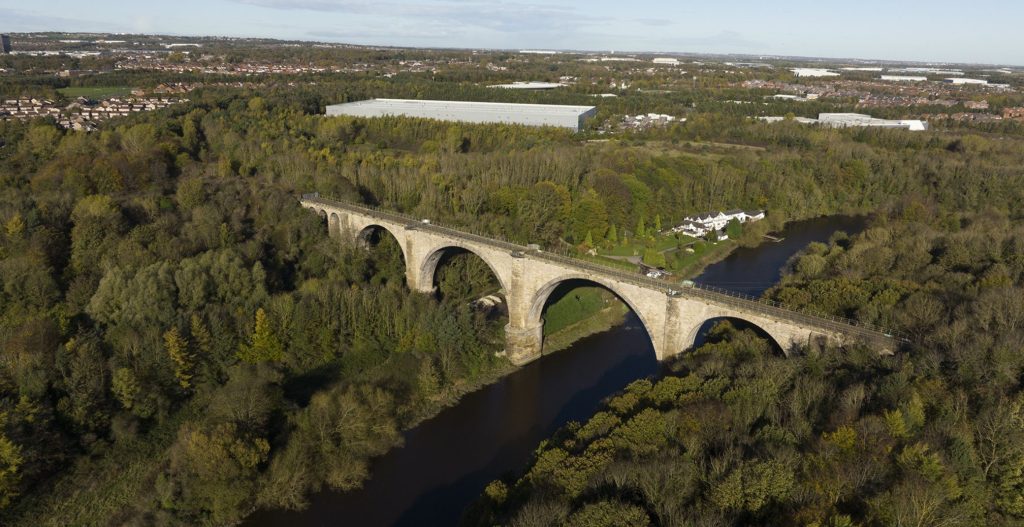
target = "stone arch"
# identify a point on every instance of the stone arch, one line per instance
(428, 266)
(758, 326)
(540, 298)
(322, 215)
(366, 231)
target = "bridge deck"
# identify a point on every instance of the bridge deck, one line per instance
(712, 294)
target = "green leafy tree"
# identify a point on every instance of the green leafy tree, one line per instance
(753, 486)
(213, 471)
(588, 215)
(734, 229)
(654, 258)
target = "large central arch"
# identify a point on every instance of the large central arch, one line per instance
(540, 299)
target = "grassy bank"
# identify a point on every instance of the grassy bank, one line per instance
(593, 323)
(695, 265)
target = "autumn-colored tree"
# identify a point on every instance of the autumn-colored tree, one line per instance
(177, 348)
(263, 345)
(10, 463)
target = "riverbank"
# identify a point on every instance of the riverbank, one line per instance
(719, 253)
(602, 320)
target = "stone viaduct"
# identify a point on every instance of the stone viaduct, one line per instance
(671, 313)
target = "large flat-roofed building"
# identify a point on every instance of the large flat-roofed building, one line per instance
(5, 43)
(845, 120)
(562, 116)
(529, 85)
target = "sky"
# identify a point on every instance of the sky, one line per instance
(980, 31)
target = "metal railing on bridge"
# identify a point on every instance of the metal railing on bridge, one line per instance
(760, 305)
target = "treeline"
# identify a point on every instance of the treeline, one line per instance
(736, 435)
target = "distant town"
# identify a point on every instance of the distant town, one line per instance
(772, 89)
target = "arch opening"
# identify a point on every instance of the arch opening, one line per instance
(461, 275)
(323, 217)
(718, 329)
(572, 307)
(386, 254)
(375, 236)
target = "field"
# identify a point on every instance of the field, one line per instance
(95, 92)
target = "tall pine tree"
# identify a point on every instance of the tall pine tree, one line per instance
(177, 347)
(263, 346)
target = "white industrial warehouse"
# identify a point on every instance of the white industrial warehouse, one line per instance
(562, 116)
(845, 120)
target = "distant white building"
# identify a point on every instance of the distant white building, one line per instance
(786, 97)
(813, 72)
(964, 80)
(932, 71)
(529, 85)
(844, 120)
(558, 115)
(779, 119)
(903, 78)
(700, 225)
(670, 61)
(610, 59)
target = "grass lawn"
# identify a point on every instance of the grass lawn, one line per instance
(636, 248)
(690, 262)
(95, 92)
(574, 306)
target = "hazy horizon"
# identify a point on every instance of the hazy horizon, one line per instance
(938, 31)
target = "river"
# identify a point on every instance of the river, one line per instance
(448, 459)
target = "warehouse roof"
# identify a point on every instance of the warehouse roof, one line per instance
(480, 112)
(469, 105)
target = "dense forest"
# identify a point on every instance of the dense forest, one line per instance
(738, 435)
(182, 343)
